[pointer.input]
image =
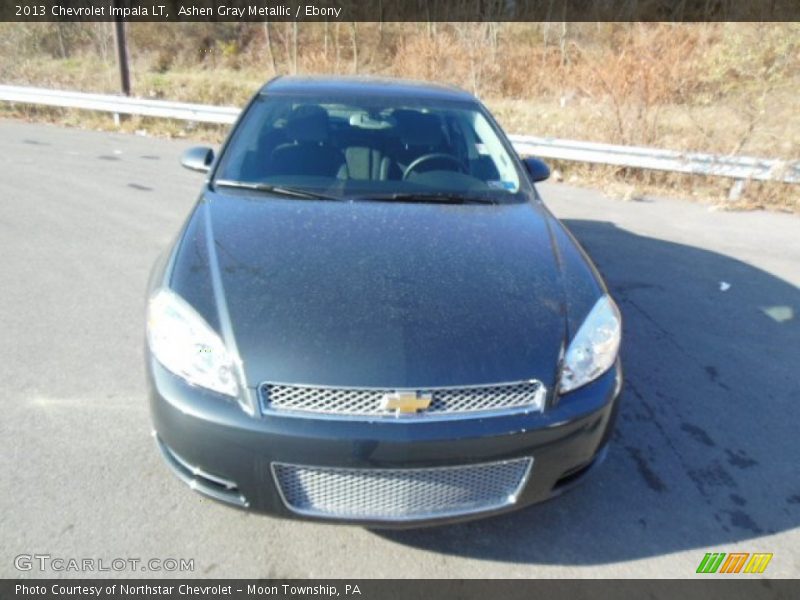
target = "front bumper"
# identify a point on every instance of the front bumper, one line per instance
(217, 449)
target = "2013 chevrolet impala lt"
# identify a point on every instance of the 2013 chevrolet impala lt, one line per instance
(370, 316)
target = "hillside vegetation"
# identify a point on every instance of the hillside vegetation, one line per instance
(716, 87)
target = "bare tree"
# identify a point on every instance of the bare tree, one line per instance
(270, 53)
(61, 45)
(102, 35)
(380, 22)
(354, 34)
(287, 51)
(336, 45)
(294, 47)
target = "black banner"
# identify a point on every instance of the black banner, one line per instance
(715, 588)
(398, 10)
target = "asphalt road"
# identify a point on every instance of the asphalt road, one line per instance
(705, 457)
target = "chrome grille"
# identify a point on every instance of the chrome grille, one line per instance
(368, 401)
(400, 494)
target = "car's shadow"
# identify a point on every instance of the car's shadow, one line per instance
(707, 443)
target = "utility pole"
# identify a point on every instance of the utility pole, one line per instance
(122, 52)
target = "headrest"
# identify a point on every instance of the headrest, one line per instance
(418, 129)
(307, 123)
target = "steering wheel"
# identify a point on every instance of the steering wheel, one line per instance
(434, 156)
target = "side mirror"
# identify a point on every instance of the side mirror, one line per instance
(537, 169)
(198, 158)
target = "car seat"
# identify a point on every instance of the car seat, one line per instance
(418, 134)
(308, 152)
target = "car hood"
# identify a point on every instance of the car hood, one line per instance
(383, 294)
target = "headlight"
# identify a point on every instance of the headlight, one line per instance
(185, 344)
(594, 348)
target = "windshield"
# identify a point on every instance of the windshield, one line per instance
(377, 148)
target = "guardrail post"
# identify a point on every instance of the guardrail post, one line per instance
(737, 189)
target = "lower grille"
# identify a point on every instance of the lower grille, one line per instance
(400, 494)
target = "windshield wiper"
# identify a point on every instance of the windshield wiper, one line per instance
(278, 190)
(440, 197)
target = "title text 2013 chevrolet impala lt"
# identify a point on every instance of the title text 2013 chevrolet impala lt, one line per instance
(370, 316)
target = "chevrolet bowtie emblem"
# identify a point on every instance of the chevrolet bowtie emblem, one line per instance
(406, 403)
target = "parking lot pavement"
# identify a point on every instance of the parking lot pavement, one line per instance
(704, 459)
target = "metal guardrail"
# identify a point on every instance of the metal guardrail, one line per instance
(737, 167)
(120, 105)
(697, 163)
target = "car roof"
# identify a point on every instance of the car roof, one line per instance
(364, 86)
